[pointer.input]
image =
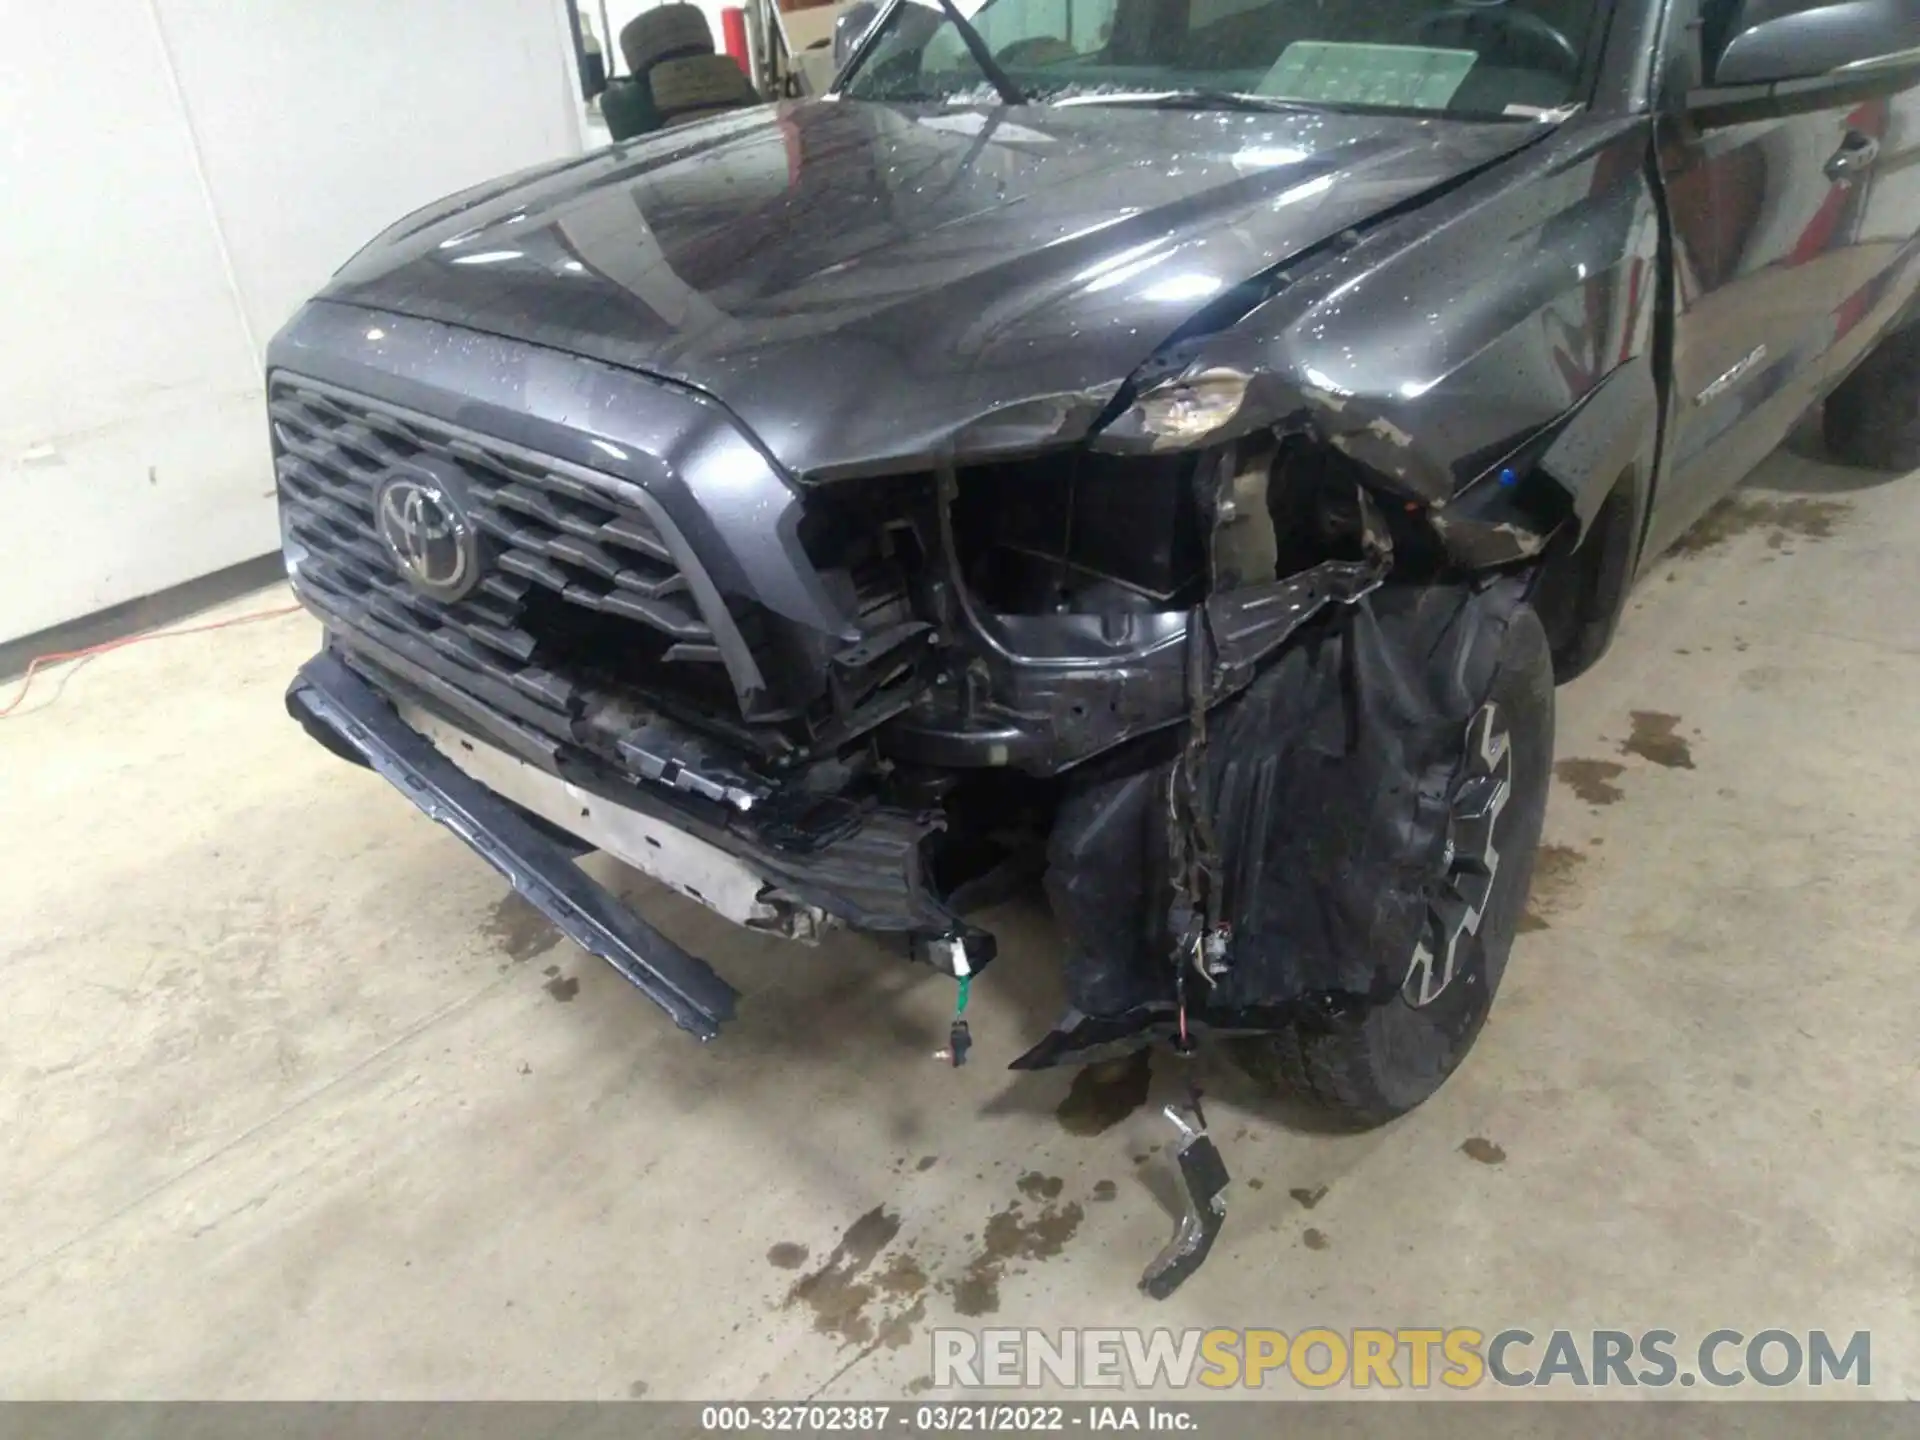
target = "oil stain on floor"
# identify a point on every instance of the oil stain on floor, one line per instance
(862, 1302)
(839, 1290)
(1784, 521)
(1485, 1151)
(1555, 886)
(1036, 1186)
(1592, 780)
(1011, 1235)
(904, 1285)
(787, 1255)
(1655, 737)
(519, 929)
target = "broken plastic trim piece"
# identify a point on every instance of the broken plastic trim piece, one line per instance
(327, 697)
(1203, 1189)
(667, 770)
(1078, 1039)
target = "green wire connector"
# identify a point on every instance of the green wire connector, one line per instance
(959, 1038)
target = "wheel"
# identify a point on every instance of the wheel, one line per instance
(1368, 1064)
(706, 83)
(1873, 419)
(662, 33)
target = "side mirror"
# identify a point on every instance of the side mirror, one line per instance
(1777, 40)
(850, 28)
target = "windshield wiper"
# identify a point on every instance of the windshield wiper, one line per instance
(1195, 100)
(1011, 93)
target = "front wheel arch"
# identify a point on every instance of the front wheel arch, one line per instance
(1580, 590)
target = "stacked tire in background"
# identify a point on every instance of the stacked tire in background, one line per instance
(673, 74)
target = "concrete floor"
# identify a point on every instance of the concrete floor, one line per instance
(298, 1102)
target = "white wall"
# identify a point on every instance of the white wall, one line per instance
(175, 177)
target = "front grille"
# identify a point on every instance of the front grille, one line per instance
(583, 570)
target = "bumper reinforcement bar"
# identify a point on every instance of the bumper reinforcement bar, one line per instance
(327, 696)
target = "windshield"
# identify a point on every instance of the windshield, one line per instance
(1471, 58)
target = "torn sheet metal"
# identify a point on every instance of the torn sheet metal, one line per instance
(1403, 352)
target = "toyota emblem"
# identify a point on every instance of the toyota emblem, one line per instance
(428, 535)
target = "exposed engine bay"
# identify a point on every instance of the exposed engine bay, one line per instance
(1033, 638)
(1213, 699)
(1065, 634)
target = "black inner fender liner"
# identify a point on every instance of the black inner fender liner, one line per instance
(1329, 781)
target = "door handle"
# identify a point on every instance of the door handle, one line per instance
(1854, 158)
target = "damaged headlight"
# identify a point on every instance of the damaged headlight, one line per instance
(1080, 531)
(1185, 409)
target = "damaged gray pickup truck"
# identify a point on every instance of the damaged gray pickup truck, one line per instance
(1163, 449)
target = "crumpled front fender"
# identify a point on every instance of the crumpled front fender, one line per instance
(1458, 340)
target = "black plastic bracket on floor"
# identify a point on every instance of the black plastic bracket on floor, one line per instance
(1203, 1194)
(328, 695)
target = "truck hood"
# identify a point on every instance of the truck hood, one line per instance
(866, 285)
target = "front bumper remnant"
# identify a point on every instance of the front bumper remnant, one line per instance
(352, 718)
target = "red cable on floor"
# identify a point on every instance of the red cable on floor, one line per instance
(61, 656)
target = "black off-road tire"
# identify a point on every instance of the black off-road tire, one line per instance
(1365, 1067)
(663, 33)
(703, 83)
(1873, 419)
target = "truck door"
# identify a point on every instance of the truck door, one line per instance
(1789, 257)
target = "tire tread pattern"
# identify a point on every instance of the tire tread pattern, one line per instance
(706, 83)
(663, 33)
